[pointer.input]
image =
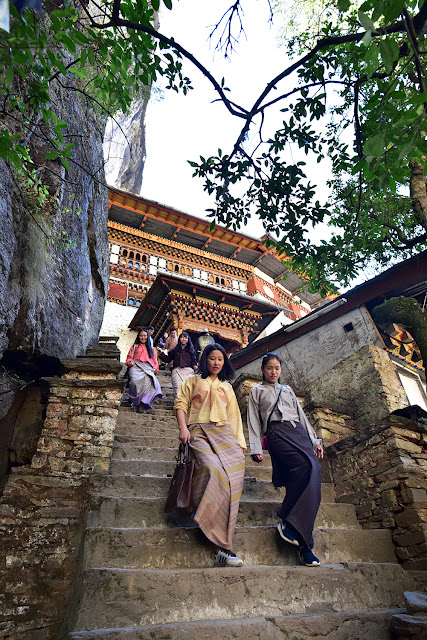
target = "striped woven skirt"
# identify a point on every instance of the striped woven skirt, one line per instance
(217, 481)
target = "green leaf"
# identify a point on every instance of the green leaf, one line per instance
(78, 37)
(168, 4)
(343, 5)
(155, 4)
(52, 155)
(389, 53)
(371, 58)
(393, 9)
(91, 55)
(9, 76)
(366, 21)
(419, 98)
(66, 164)
(374, 146)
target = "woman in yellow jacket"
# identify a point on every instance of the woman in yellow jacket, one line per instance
(209, 420)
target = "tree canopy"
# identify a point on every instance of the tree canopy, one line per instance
(354, 91)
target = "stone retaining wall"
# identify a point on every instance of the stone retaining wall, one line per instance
(382, 469)
(43, 506)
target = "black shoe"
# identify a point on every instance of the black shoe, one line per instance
(288, 533)
(226, 558)
(308, 558)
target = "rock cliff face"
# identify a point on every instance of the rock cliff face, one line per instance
(53, 263)
(124, 147)
(52, 289)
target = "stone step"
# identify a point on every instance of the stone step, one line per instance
(131, 452)
(132, 418)
(125, 598)
(166, 468)
(106, 511)
(157, 487)
(366, 625)
(152, 429)
(147, 441)
(187, 548)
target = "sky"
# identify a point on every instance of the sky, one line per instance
(181, 128)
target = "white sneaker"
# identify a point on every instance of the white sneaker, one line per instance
(225, 558)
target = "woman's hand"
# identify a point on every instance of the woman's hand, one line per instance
(184, 435)
(257, 457)
(319, 451)
(195, 368)
(131, 363)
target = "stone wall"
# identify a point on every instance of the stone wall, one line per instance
(364, 386)
(43, 506)
(382, 470)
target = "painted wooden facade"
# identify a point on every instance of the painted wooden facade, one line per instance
(175, 270)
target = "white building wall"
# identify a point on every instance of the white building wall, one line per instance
(312, 354)
(116, 321)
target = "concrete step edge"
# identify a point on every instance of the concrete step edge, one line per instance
(187, 627)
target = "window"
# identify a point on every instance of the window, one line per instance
(136, 265)
(144, 258)
(223, 282)
(216, 280)
(125, 252)
(138, 303)
(153, 260)
(114, 258)
(137, 256)
(162, 263)
(130, 302)
(131, 254)
(115, 248)
(170, 266)
(176, 268)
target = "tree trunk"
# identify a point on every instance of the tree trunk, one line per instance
(418, 192)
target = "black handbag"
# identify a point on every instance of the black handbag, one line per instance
(180, 497)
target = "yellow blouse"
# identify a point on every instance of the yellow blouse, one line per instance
(206, 401)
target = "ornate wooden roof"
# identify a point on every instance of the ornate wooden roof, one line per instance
(154, 218)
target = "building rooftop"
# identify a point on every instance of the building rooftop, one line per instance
(168, 223)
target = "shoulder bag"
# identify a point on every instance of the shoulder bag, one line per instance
(180, 497)
(264, 441)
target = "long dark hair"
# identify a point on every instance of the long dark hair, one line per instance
(148, 344)
(189, 346)
(270, 356)
(227, 372)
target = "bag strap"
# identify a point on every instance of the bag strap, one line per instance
(275, 406)
(183, 453)
(133, 350)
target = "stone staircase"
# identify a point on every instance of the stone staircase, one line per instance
(146, 578)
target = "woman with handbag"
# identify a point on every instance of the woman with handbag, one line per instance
(184, 361)
(209, 420)
(144, 387)
(274, 411)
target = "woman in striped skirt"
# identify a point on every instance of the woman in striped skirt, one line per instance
(209, 420)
